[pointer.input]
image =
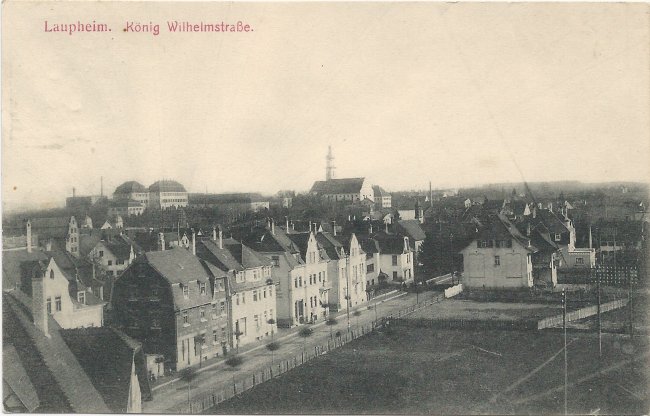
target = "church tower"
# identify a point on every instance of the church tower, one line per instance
(329, 167)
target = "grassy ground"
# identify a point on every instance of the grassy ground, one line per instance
(418, 371)
(504, 311)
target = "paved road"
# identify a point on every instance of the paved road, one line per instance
(173, 397)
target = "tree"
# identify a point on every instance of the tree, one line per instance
(331, 322)
(271, 322)
(188, 375)
(357, 313)
(272, 346)
(305, 333)
(234, 361)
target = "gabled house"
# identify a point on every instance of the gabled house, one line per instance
(251, 288)
(396, 257)
(499, 257)
(413, 230)
(299, 273)
(176, 305)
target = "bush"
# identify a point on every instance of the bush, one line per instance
(234, 361)
(357, 313)
(306, 332)
(331, 321)
(272, 346)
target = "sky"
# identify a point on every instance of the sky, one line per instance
(405, 93)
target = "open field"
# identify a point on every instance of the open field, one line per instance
(503, 311)
(416, 371)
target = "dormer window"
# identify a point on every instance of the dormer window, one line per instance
(81, 297)
(51, 274)
(202, 288)
(558, 237)
(186, 291)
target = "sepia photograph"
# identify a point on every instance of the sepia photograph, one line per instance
(325, 207)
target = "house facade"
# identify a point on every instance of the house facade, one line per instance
(251, 287)
(114, 255)
(500, 257)
(396, 257)
(382, 199)
(176, 305)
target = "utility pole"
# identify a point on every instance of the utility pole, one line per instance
(600, 333)
(629, 301)
(566, 376)
(451, 253)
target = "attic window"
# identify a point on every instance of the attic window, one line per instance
(81, 297)
(202, 288)
(186, 291)
(557, 237)
(51, 274)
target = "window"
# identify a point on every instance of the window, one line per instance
(370, 268)
(256, 318)
(186, 318)
(51, 274)
(57, 303)
(119, 262)
(214, 310)
(394, 260)
(222, 307)
(254, 295)
(270, 291)
(497, 260)
(202, 288)
(202, 314)
(223, 332)
(243, 297)
(558, 237)
(237, 299)
(109, 262)
(215, 337)
(394, 275)
(509, 243)
(300, 281)
(264, 292)
(186, 291)
(49, 305)
(81, 297)
(101, 253)
(275, 260)
(320, 277)
(580, 260)
(295, 281)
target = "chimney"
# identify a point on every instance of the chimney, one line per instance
(29, 236)
(334, 228)
(220, 238)
(39, 310)
(386, 227)
(193, 242)
(309, 225)
(161, 241)
(272, 226)
(214, 233)
(286, 219)
(48, 245)
(293, 226)
(74, 192)
(370, 229)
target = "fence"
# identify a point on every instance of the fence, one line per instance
(453, 291)
(581, 313)
(608, 275)
(240, 383)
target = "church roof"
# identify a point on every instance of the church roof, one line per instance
(338, 186)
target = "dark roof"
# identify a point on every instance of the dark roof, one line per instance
(233, 256)
(338, 186)
(13, 265)
(88, 241)
(120, 248)
(547, 218)
(166, 186)
(379, 191)
(106, 357)
(498, 227)
(55, 227)
(235, 198)
(301, 240)
(177, 265)
(390, 243)
(331, 245)
(412, 229)
(130, 187)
